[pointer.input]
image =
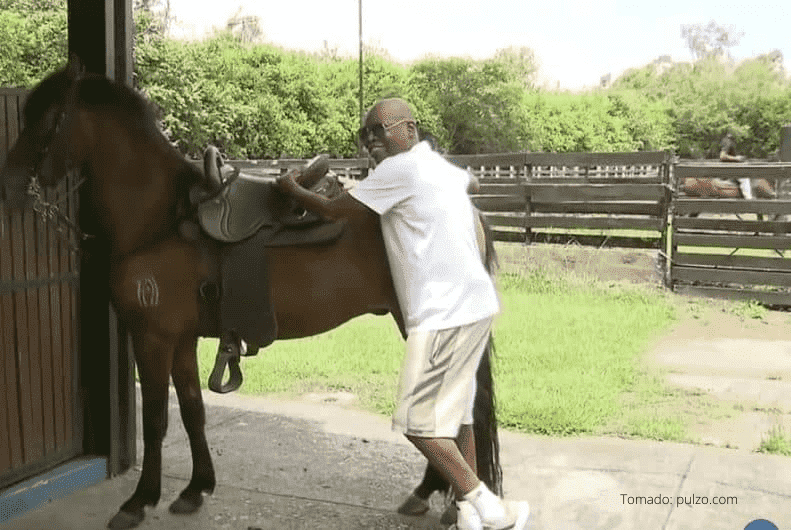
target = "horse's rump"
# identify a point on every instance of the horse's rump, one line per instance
(710, 187)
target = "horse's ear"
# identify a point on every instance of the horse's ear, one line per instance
(75, 68)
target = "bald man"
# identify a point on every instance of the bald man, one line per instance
(447, 297)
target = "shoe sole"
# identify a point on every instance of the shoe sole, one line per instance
(522, 510)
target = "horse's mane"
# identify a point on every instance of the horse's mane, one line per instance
(117, 101)
(98, 93)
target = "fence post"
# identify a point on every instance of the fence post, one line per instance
(671, 207)
(665, 255)
(527, 174)
(785, 143)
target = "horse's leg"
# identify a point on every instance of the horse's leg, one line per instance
(186, 380)
(153, 356)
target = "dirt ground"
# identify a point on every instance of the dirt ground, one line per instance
(742, 362)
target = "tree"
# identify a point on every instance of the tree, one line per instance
(520, 62)
(477, 102)
(711, 40)
(154, 17)
(32, 5)
(246, 28)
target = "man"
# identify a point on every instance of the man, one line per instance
(447, 297)
(728, 154)
(728, 150)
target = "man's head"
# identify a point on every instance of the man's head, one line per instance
(389, 129)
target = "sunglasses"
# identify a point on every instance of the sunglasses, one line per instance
(378, 130)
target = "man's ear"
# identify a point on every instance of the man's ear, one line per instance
(413, 132)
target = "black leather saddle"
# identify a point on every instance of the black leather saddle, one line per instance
(242, 204)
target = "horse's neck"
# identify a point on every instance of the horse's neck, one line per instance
(135, 196)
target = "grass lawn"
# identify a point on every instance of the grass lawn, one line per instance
(567, 360)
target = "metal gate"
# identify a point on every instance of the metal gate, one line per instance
(40, 415)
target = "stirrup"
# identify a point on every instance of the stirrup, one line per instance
(228, 354)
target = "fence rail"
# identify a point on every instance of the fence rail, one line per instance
(732, 248)
(565, 197)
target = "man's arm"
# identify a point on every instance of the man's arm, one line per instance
(725, 157)
(474, 186)
(342, 206)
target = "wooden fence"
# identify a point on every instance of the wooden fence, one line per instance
(39, 335)
(605, 199)
(732, 248)
(564, 197)
(11, 101)
(350, 169)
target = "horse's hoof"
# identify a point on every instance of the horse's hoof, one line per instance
(184, 506)
(123, 520)
(414, 505)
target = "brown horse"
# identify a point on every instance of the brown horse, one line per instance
(137, 189)
(725, 189)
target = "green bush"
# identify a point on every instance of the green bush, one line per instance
(709, 98)
(599, 121)
(475, 104)
(260, 101)
(34, 43)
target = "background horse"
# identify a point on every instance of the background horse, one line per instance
(717, 188)
(136, 189)
(725, 189)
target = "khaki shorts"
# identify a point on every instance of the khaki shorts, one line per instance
(436, 391)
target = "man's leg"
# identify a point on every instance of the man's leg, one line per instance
(746, 186)
(445, 455)
(465, 441)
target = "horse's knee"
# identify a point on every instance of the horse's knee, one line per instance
(155, 420)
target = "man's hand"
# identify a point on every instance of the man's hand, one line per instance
(288, 183)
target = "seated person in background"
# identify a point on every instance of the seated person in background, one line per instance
(728, 154)
(728, 150)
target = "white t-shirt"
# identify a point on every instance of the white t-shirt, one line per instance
(428, 226)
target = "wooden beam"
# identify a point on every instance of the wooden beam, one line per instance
(773, 298)
(642, 158)
(724, 170)
(764, 206)
(100, 34)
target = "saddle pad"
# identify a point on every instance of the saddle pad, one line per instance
(320, 234)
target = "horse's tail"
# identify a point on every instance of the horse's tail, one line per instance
(487, 443)
(486, 243)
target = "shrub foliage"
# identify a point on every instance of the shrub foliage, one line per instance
(260, 101)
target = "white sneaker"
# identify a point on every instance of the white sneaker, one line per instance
(516, 517)
(467, 517)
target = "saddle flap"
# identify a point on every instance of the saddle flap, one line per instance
(246, 204)
(246, 303)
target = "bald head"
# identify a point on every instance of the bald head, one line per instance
(392, 110)
(399, 132)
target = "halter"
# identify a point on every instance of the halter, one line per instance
(46, 210)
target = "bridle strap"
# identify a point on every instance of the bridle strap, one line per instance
(60, 135)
